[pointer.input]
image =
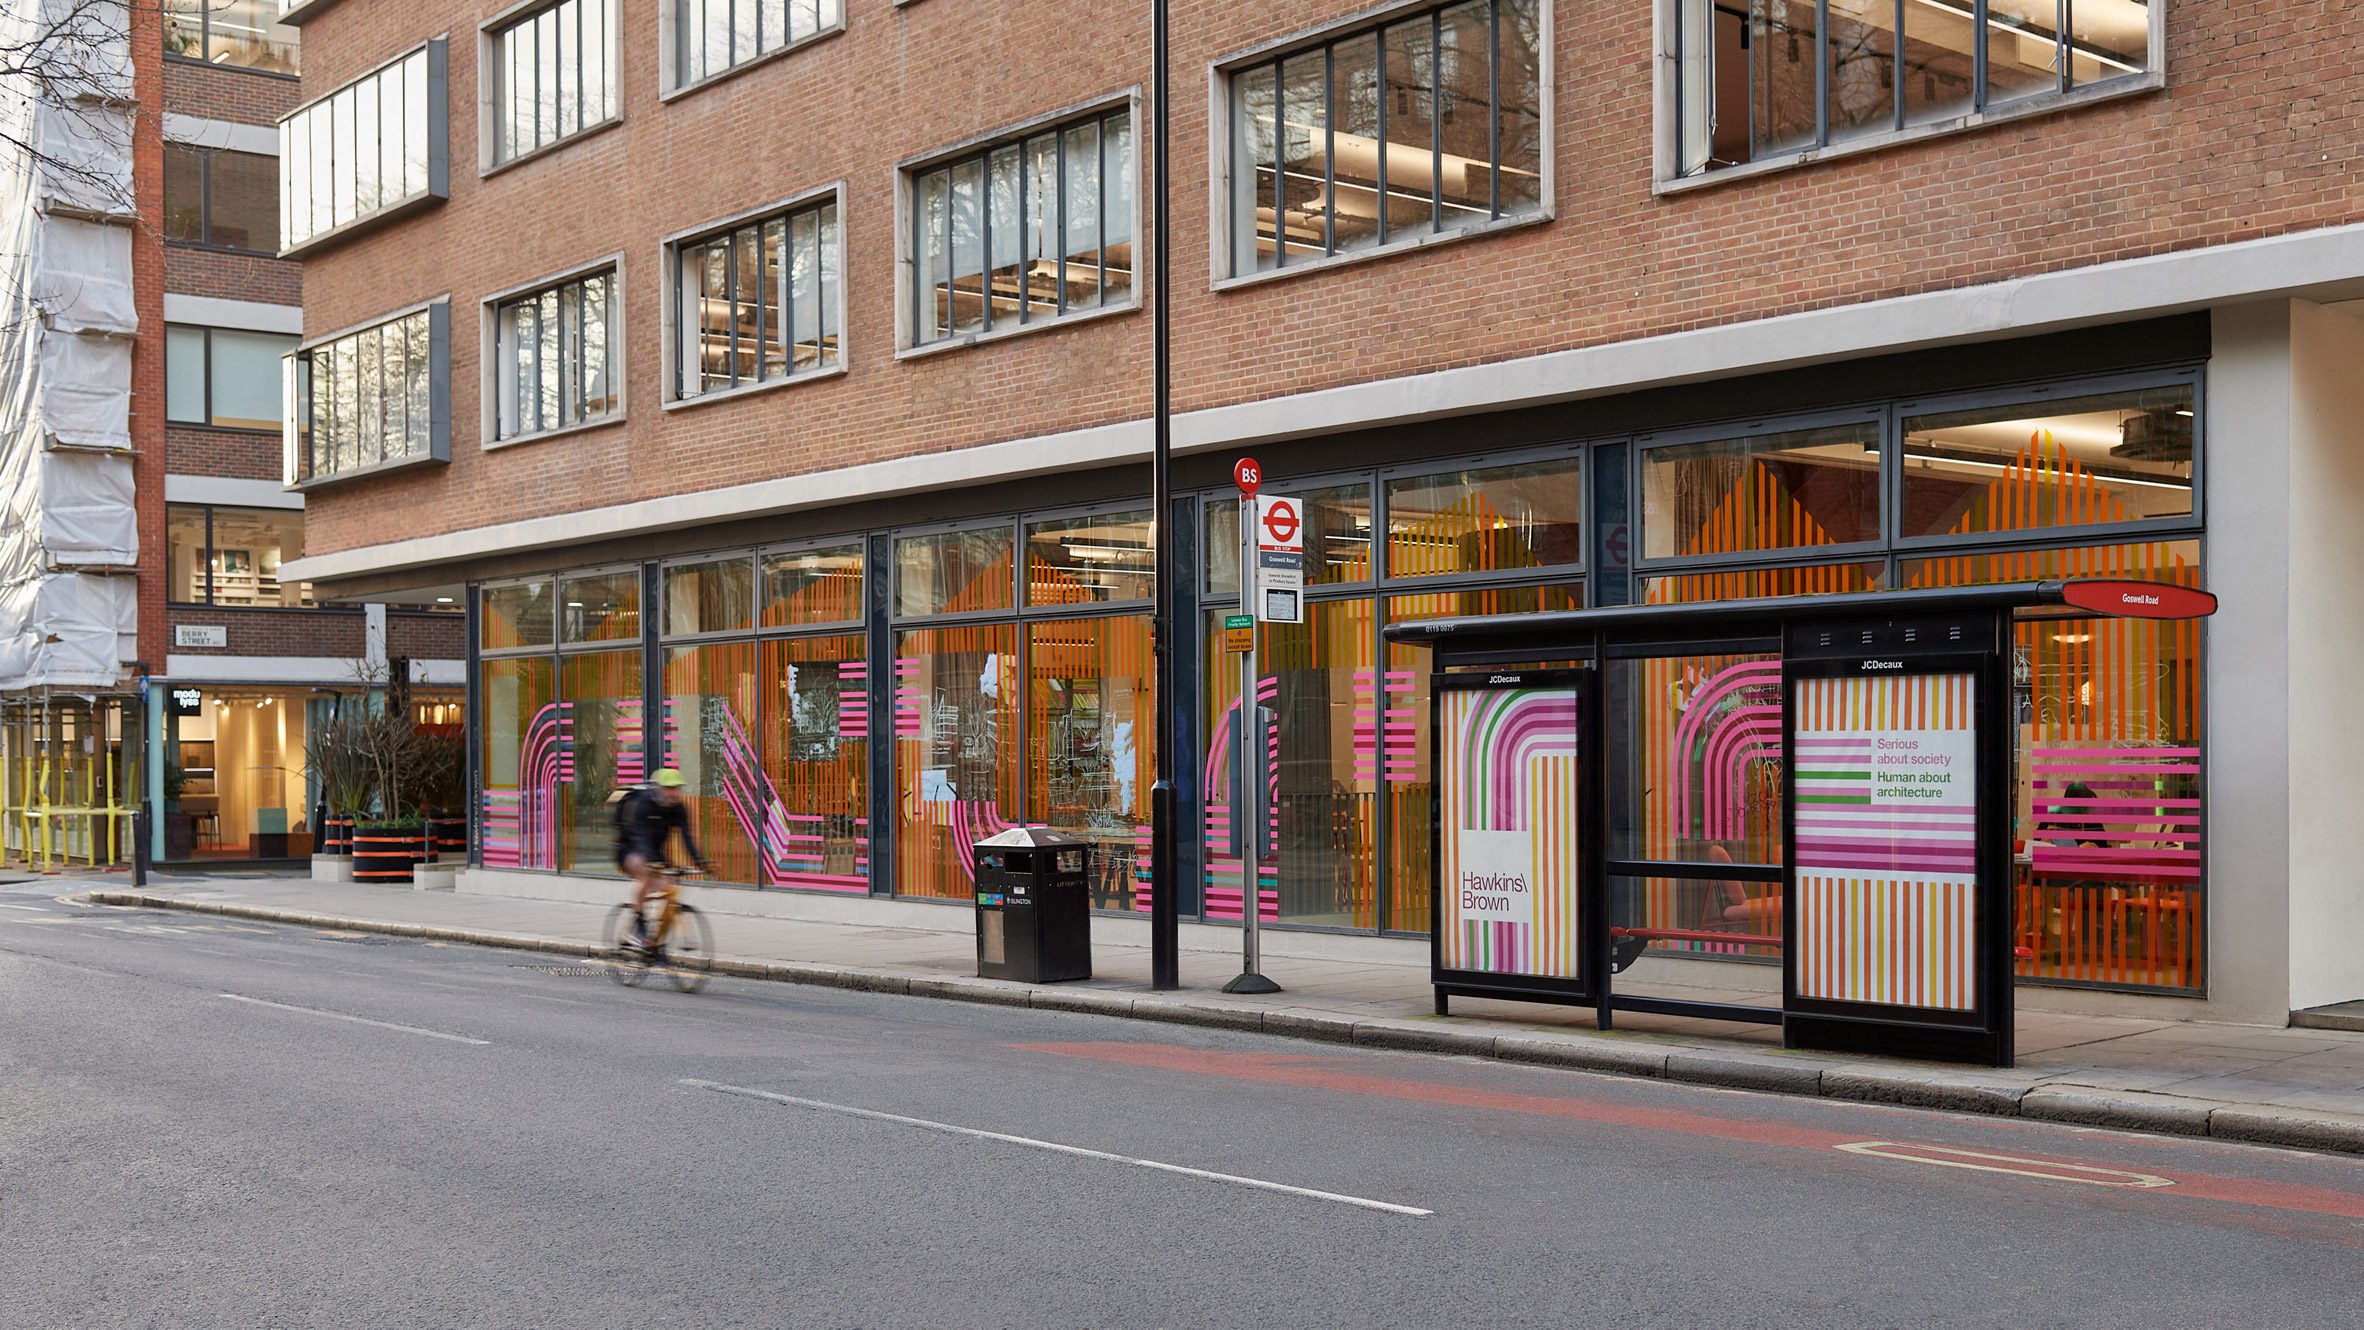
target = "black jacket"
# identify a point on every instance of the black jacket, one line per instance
(644, 823)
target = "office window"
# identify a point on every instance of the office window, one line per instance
(374, 145)
(552, 75)
(231, 556)
(372, 398)
(224, 377)
(240, 34)
(228, 200)
(756, 302)
(1024, 231)
(1763, 79)
(556, 363)
(1427, 124)
(711, 37)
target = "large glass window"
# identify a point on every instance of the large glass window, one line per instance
(1085, 560)
(710, 728)
(953, 572)
(605, 747)
(711, 37)
(815, 586)
(716, 596)
(231, 556)
(1090, 730)
(375, 397)
(2084, 461)
(374, 145)
(958, 700)
(1764, 79)
(225, 377)
(518, 616)
(556, 362)
(1790, 489)
(816, 758)
(1491, 520)
(222, 199)
(1431, 123)
(553, 76)
(1024, 231)
(602, 607)
(1337, 537)
(757, 302)
(238, 34)
(523, 754)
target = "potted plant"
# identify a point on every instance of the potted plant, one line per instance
(180, 829)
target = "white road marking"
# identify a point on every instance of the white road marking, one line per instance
(2052, 1170)
(9, 905)
(1055, 1147)
(357, 1020)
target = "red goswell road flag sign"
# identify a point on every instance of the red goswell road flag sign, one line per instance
(2140, 600)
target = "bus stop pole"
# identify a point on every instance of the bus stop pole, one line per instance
(1165, 878)
(1248, 787)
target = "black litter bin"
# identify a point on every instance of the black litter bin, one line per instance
(1034, 907)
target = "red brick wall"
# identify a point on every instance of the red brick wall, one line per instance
(273, 632)
(220, 93)
(226, 276)
(2254, 135)
(147, 352)
(426, 636)
(242, 454)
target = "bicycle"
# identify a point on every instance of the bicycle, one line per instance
(682, 945)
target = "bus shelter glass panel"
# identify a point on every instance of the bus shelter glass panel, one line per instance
(958, 708)
(1321, 769)
(1732, 920)
(600, 726)
(710, 700)
(816, 760)
(1795, 489)
(523, 759)
(2109, 812)
(2108, 458)
(1090, 727)
(1406, 746)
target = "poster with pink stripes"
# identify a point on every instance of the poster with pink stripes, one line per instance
(1886, 826)
(1509, 869)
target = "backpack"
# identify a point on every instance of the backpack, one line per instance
(620, 808)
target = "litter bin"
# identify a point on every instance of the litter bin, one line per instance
(1034, 907)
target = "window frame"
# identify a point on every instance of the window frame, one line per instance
(669, 315)
(1024, 559)
(206, 153)
(1667, 176)
(488, 388)
(438, 146)
(981, 148)
(439, 358)
(1890, 413)
(206, 563)
(671, 86)
(491, 87)
(207, 373)
(1220, 239)
(205, 42)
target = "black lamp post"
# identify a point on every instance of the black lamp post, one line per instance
(1165, 917)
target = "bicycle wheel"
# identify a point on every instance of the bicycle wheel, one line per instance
(689, 950)
(623, 966)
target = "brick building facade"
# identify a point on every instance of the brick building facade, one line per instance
(1541, 303)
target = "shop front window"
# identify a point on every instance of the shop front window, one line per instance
(815, 586)
(523, 757)
(606, 751)
(601, 608)
(710, 727)
(1089, 560)
(2108, 797)
(2022, 467)
(235, 784)
(1090, 733)
(1789, 489)
(523, 615)
(816, 758)
(952, 572)
(957, 715)
(1484, 521)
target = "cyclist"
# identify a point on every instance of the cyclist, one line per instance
(645, 822)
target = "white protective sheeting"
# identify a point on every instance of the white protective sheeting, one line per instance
(69, 534)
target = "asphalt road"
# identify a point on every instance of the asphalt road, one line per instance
(215, 1123)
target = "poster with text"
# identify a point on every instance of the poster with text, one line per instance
(1508, 871)
(1886, 824)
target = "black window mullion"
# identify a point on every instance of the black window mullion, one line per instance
(1100, 179)
(1025, 277)
(984, 240)
(951, 275)
(579, 8)
(1978, 54)
(788, 294)
(1059, 158)
(208, 363)
(209, 554)
(759, 287)
(1494, 109)
(1280, 163)
(2065, 15)
(1896, 73)
(1330, 149)
(1379, 71)
(730, 283)
(1436, 120)
(1821, 72)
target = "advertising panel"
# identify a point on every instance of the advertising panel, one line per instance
(1508, 870)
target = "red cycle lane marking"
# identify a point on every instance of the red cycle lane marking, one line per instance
(1303, 1072)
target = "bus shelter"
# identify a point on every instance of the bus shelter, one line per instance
(1825, 784)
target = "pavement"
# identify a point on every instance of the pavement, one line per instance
(2301, 1088)
(214, 1121)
